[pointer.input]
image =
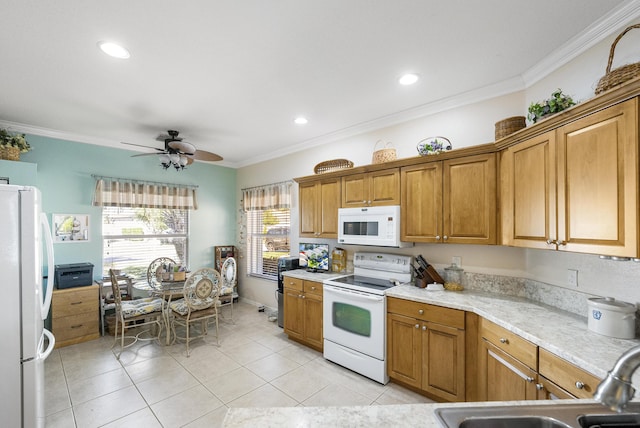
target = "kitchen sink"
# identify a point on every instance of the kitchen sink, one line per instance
(561, 415)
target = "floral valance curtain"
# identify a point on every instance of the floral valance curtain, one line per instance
(270, 196)
(118, 192)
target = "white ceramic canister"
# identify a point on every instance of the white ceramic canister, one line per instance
(611, 317)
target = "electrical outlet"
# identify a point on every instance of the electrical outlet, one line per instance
(456, 261)
(572, 277)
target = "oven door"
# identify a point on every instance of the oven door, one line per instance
(355, 320)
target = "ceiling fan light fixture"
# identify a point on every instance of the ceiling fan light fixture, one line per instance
(114, 50)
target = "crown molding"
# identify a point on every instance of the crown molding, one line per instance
(580, 43)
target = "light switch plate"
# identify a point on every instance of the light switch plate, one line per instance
(572, 277)
(456, 261)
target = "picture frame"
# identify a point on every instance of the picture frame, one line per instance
(4, 180)
(70, 228)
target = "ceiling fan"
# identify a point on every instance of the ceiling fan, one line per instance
(177, 152)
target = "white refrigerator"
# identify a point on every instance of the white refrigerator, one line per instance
(25, 304)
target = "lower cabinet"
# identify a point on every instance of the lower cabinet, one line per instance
(426, 348)
(303, 311)
(75, 315)
(507, 365)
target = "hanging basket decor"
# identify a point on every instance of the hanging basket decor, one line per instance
(620, 74)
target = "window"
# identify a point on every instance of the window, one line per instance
(268, 239)
(267, 210)
(133, 237)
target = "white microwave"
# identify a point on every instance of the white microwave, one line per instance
(378, 226)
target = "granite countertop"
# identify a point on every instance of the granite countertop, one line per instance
(312, 276)
(560, 332)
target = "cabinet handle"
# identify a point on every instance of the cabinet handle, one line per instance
(313, 288)
(562, 243)
(504, 340)
(579, 385)
(417, 325)
(421, 311)
(75, 303)
(437, 237)
(551, 242)
(76, 326)
(445, 237)
(529, 379)
(303, 296)
(424, 328)
(539, 386)
(364, 202)
(368, 202)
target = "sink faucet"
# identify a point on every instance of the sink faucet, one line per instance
(616, 390)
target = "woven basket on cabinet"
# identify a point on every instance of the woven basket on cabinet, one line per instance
(620, 74)
(10, 153)
(509, 125)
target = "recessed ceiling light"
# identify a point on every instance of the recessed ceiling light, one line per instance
(408, 79)
(300, 120)
(114, 50)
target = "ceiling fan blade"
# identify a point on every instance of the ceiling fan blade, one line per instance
(146, 154)
(206, 156)
(189, 160)
(182, 146)
(140, 145)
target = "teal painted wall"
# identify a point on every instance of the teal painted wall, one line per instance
(64, 170)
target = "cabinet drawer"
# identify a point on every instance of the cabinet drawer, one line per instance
(293, 283)
(511, 343)
(312, 287)
(576, 381)
(75, 326)
(74, 301)
(426, 312)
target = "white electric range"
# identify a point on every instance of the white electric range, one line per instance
(354, 312)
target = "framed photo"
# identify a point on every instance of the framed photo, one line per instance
(70, 228)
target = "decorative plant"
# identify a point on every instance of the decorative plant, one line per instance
(14, 140)
(555, 104)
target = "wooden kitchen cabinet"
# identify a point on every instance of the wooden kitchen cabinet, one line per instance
(371, 189)
(426, 348)
(562, 379)
(303, 311)
(319, 203)
(451, 201)
(507, 365)
(575, 188)
(75, 315)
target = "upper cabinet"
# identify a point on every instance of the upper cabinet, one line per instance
(371, 189)
(319, 203)
(451, 201)
(575, 188)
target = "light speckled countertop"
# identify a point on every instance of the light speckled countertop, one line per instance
(560, 332)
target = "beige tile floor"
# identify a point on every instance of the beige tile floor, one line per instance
(254, 365)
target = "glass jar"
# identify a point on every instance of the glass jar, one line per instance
(454, 274)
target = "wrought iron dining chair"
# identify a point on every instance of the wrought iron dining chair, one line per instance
(198, 306)
(228, 272)
(136, 313)
(155, 271)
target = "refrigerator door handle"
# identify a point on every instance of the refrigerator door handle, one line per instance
(52, 343)
(44, 308)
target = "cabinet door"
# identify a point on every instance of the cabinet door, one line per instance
(529, 217)
(328, 208)
(293, 313)
(421, 202)
(503, 378)
(308, 195)
(313, 320)
(598, 182)
(354, 191)
(469, 200)
(404, 349)
(384, 187)
(443, 354)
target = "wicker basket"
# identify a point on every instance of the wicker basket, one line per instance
(386, 154)
(332, 165)
(620, 74)
(10, 153)
(509, 125)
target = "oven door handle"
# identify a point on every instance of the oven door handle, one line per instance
(352, 293)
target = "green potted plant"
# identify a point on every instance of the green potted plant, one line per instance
(555, 104)
(11, 145)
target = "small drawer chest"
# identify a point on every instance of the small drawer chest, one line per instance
(75, 315)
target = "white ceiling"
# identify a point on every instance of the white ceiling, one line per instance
(232, 75)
